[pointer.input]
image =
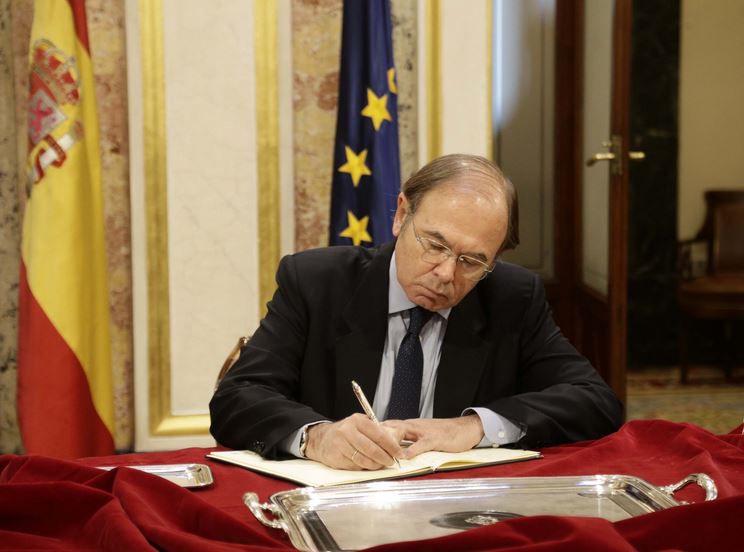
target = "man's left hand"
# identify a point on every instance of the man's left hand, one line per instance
(442, 434)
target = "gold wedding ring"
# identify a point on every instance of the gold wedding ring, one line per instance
(353, 455)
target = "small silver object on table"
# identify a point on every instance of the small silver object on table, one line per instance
(184, 475)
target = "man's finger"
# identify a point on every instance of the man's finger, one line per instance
(384, 438)
(364, 462)
(374, 450)
(416, 448)
(405, 431)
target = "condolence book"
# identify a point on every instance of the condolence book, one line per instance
(315, 474)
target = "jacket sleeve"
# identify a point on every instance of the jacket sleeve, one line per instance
(560, 396)
(257, 403)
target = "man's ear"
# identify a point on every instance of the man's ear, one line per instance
(401, 212)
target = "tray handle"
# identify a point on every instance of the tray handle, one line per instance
(257, 509)
(711, 491)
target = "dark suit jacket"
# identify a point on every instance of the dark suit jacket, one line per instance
(327, 323)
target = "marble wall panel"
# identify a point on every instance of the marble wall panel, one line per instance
(405, 51)
(9, 240)
(21, 16)
(653, 324)
(316, 43)
(108, 49)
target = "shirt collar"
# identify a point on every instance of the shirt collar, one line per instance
(398, 301)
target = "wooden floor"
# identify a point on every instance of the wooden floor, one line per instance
(708, 400)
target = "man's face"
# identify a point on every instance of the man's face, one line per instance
(465, 215)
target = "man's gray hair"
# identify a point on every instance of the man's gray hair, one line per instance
(449, 167)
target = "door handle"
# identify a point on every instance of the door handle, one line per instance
(608, 156)
(604, 156)
(615, 145)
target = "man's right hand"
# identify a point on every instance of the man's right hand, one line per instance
(354, 443)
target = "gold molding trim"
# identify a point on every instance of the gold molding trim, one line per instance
(267, 125)
(161, 421)
(489, 72)
(434, 84)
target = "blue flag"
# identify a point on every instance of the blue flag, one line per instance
(366, 164)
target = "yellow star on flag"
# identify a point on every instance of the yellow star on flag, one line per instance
(355, 165)
(357, 229)
(391, 80)
(376, 109)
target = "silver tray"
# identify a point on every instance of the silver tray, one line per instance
(350, 517)
(185, 475)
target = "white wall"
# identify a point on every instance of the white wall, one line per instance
(206, 132)
(711, 105)
(523, 59)
(495, 61)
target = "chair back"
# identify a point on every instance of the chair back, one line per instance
(728, 238)
(719, 294)
(231, 359)
(723, 230)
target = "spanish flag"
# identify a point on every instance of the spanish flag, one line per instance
(65, 403)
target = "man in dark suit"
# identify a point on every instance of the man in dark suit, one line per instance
(489, 366)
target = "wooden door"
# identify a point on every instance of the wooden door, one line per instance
(592, 104)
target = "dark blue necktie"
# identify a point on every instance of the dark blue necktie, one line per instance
(409, 368)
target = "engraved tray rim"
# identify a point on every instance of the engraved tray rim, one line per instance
(291, 508)
(189, 475)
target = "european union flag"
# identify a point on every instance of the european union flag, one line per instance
(366, 167)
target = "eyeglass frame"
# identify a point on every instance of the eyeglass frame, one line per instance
(449, 254)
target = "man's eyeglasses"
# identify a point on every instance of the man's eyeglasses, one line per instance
(435, 252)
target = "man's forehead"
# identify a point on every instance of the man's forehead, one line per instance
(466, 190)
(472, 222)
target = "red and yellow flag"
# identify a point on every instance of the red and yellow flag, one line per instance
(65, 403)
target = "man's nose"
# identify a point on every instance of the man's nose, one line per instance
(445, 270)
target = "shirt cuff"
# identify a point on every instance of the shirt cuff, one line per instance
(291, 443)
(497, 429)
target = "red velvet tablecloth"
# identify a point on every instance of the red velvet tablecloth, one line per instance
(54, 504)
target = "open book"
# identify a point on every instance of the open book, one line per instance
(315, 474)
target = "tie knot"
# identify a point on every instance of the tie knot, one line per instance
(419, 317)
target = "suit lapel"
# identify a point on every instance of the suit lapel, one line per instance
(463, 358)
(361, 334)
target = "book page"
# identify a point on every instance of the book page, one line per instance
(442, 461)
(309, 472)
